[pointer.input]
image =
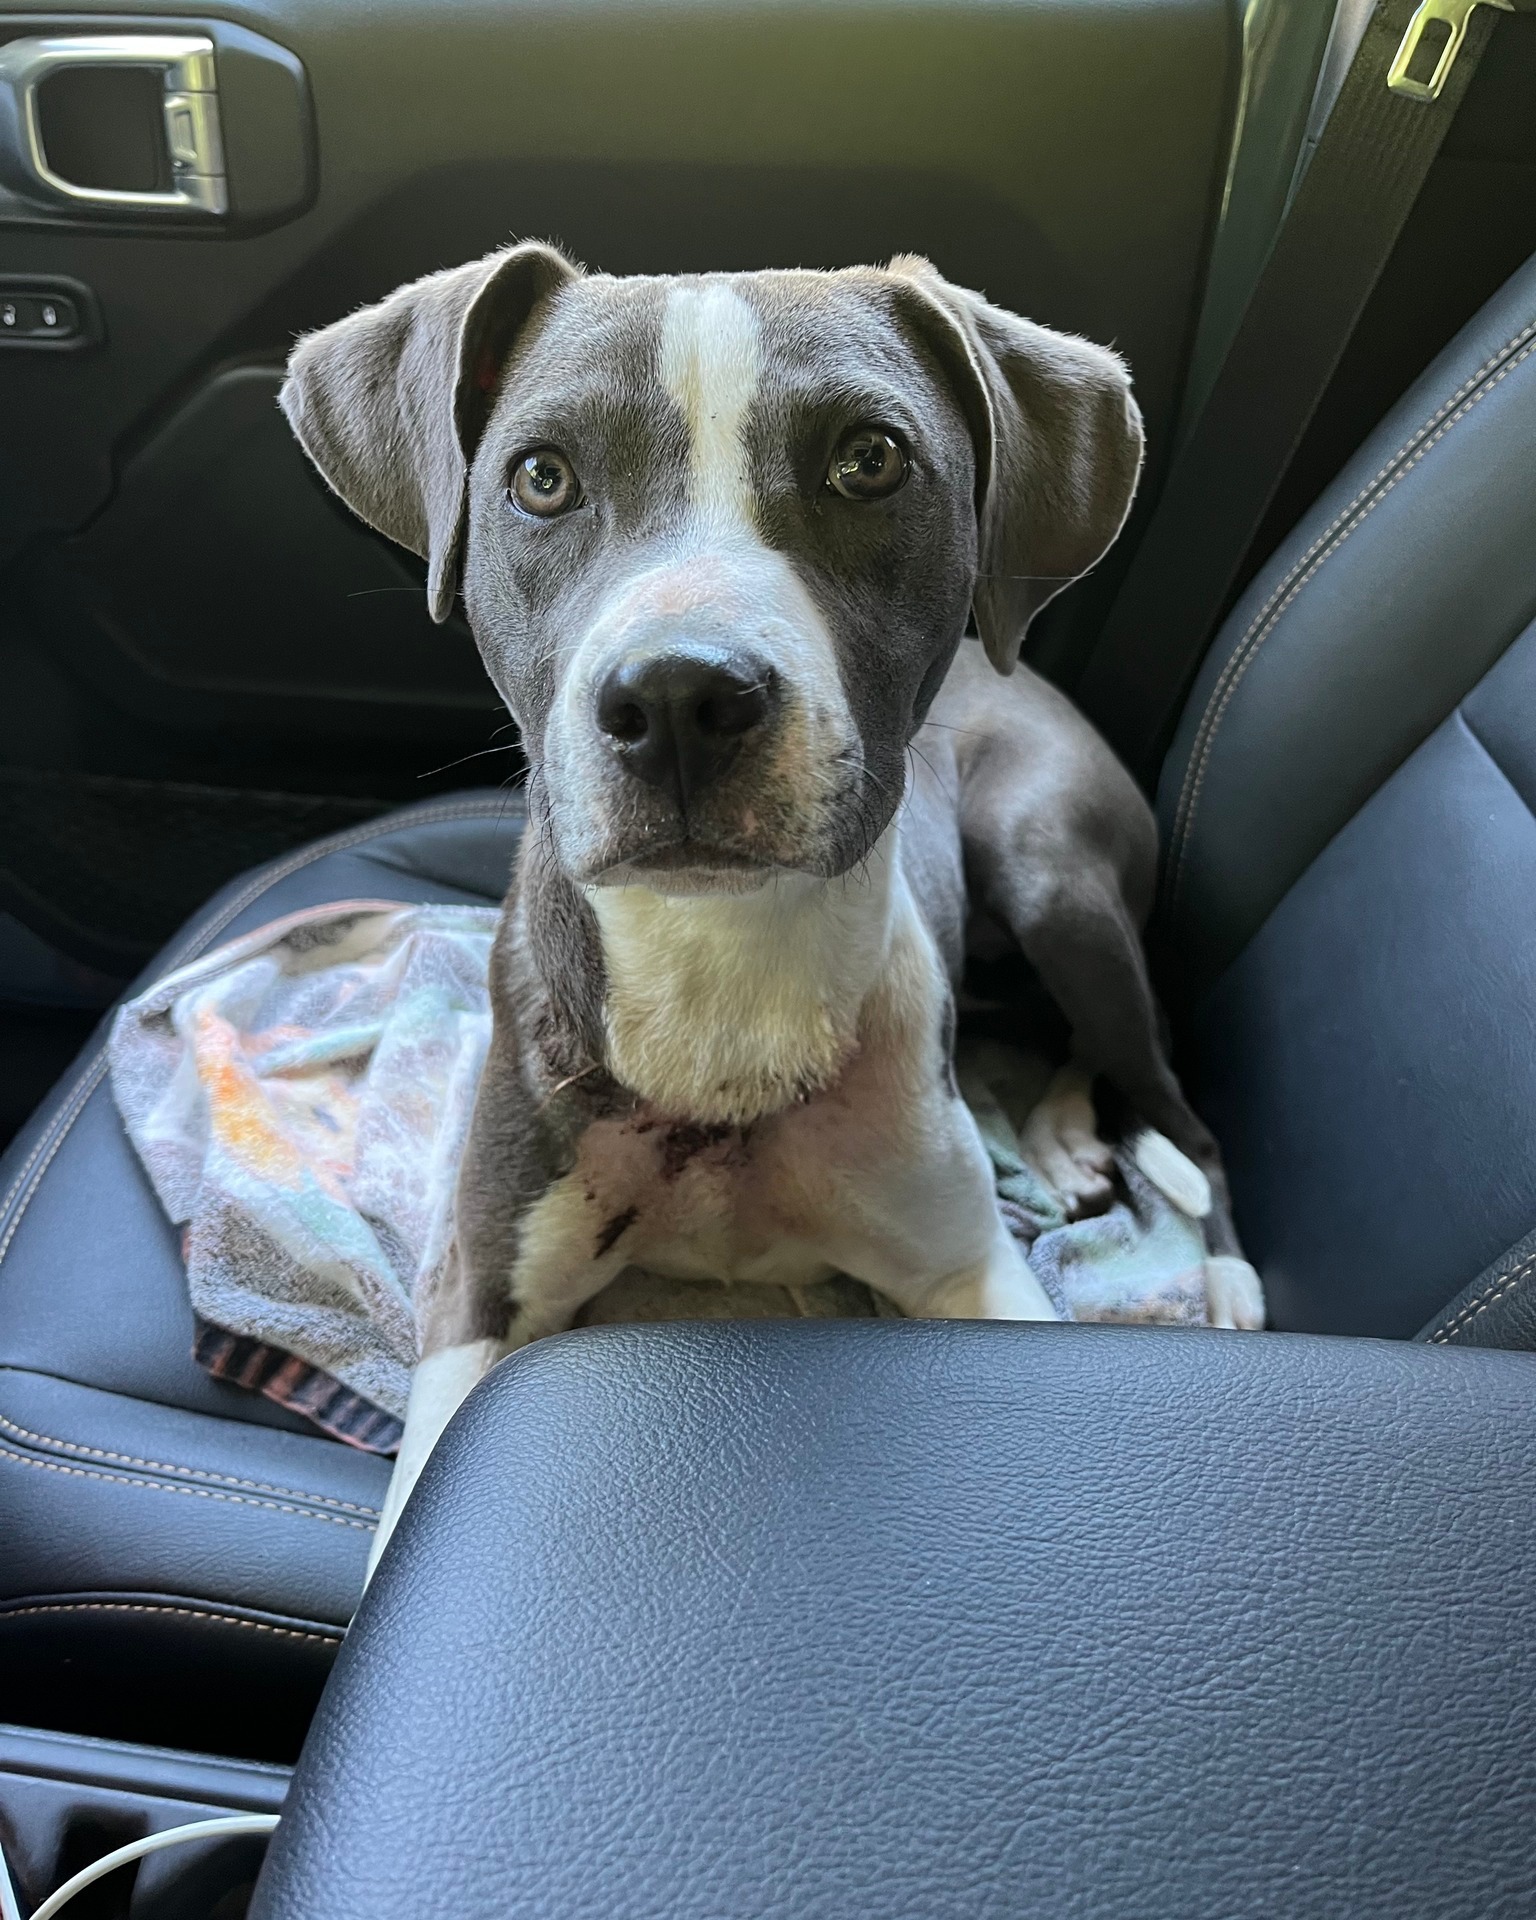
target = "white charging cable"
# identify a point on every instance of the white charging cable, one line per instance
(226, 1828)
(10, 1906)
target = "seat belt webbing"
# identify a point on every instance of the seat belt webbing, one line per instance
(1399, 96)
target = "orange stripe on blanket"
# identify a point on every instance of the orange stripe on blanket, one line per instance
(237, 1109)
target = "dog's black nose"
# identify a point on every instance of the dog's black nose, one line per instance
(678, 719)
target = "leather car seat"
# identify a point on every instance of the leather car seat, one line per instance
(1350, 860)
(1350, 866)
(180, 1555)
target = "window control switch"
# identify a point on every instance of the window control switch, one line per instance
(46, 314)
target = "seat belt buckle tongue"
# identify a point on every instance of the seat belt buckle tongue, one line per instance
(1453, 15)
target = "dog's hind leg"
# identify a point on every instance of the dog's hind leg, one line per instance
(1086, 951)
(1080, 940)
(1061, 848)
(1060, 1138)
(1074, 929)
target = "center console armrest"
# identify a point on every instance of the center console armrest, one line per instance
(851, 1621)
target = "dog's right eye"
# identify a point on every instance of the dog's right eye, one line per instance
(868, 464)
(544, 483)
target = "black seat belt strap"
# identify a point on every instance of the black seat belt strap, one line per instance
(1398, 98)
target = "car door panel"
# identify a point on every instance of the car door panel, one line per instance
(170, 554)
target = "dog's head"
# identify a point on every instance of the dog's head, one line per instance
(719, 537)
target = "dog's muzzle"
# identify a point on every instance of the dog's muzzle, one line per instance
(676, 719)
(702, 731)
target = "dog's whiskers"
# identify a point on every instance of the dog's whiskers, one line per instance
(464, 758)
(952, 796)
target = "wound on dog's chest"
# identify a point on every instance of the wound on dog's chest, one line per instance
(613, 1230)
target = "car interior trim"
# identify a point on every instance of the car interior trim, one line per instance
(1502, 1292)
(25, 1459)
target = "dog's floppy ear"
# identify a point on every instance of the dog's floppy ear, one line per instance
(390, 403)
(1058, 447)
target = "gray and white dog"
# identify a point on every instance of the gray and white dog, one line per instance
(719, 539)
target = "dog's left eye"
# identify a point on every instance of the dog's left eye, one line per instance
(544, 483)
(867, 465)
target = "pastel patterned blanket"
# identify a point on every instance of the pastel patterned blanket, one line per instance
(300, 1100)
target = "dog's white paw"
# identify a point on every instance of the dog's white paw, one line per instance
(999, 1286)
(1060, 1139)
(1234, 1293)
(1010, 1290)
(1173, 1173)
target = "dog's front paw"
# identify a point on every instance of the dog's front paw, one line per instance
(1060, 1140)
(1010, 1290)
(1234, 1293)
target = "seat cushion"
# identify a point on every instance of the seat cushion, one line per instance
(1369, 1062)
(146, 1504)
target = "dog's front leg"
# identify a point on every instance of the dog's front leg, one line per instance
(995, 1284)
(553, 1292)
(439, 1386)
(998, 1286)
(528, 1253)
(551, 1280)
(925, 1229)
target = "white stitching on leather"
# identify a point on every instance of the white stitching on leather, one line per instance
(187, 1613)
(1306, 569)
(374, 830)
(8, 1452)
(82, 1090)
(1480, 1303)
(29, 1176)
(199, 1473)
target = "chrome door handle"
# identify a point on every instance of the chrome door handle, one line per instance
(190, 106)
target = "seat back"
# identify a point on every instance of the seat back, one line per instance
(1350, 864)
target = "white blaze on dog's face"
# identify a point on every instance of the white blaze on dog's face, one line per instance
(715, 645)
(719, 536)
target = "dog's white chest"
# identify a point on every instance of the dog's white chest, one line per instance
(879, 1174)
(723, 1008)
(714, 1201)
(698, 1202)
(867, 1176)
